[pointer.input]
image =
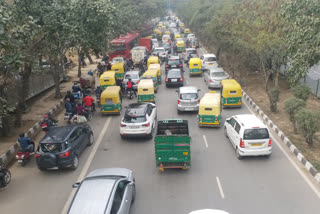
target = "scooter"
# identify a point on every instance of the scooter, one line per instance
(67, 116)
(5, 176)
(23, 157)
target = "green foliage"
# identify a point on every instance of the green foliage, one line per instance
(301, 91)
(5, 110)
(274, 95)
(308, 124)
(302, 36)
(292, 106)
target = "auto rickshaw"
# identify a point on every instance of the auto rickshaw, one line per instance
(153, 60)
(160, 25)
(177, 36)
(158, 32)
(111, 100)
(146, 91)
(87, 81)
(210, 110)
(163, 27)
(156, 67)
(167, 32)
(181, 24)
(152, 74)
(181, 46)
(231, 93)
(186, 31)
(119, 69)
(195, 67)
(108, 78)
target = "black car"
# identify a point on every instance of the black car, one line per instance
(61, 146)
(174, 78)
(174, 62)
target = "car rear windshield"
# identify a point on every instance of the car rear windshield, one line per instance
(132, 76)
(192, 52)
(173, 62)
(174, 74)
(218, 74)
(134, 119)
(158, 50)
(253, 134)
(211, 59)
(51, 147)
(189, 96)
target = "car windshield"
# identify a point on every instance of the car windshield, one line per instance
(173, 62)
(132, 76)
(174, 74)
(218, 74)
(134, 119)
(51, 147)
(192, 52)
(188, 96)
(117, 60)
(211, 59)
(118, 47)
(254, 134)
(158, 50)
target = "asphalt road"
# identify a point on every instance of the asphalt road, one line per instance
(216, 179)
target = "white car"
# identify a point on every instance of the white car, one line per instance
(190, 36)
(248, 135)
(139, 120)
(155, 43)
(161, 52)
(208, 59)
(117, 59)
(208, 211)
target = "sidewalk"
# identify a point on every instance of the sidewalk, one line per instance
(39, 106)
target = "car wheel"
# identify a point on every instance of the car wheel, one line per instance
(41, 168)
(6, 177)
(238, 154)
(75, 163)
(268, 156)
(122, 137)
(149, 136)
(225, 132)
(178, 111)
(91, 139)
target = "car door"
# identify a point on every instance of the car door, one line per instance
(230, 128)
(79, 140)
(205, 74)
(121, 199)
(236, 136)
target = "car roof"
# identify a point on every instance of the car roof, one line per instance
(190, 49)
(208, 211)
(139, 48)
(188, 89)
(174, 57)
(209, 55)
(120, 172)
(162, 48)
(136, 109)
(215, 69)
(250, 121)
(93, 196)
(174, 70)
(132, 72)
(59, 134)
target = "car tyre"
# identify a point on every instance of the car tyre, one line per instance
(122, 137)
(149, 136)
(41, 168)
(225, 132)
(238, 154)
(75, 163)
(7, 177)
(91, 139)
(178, 111)
(268, 156)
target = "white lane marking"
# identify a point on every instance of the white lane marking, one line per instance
(220, 187)
(87, 164)
(205, 141)
(294, 164)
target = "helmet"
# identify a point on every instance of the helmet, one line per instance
(68, 99)
(46, 116)
(21, 134)
(75, 83)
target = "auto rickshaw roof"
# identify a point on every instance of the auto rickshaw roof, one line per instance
(180, 42)
(210, 100)
(195, 60)
(154, 66)
(146, 83)
(230, 84)
(151, 72)
(117, 64)
(153, 58)
(111, 91)
(108, 74)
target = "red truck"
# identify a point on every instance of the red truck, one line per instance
(146, 42)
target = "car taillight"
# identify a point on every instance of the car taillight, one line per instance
(66, 154)
(185, 54)
(181, 79)
(124, 82)
(138, 81)
(210, 81)
(198, 101)
(179, 101)
(197, 53)
(36, 155)
(167, 66)
(166, 79)
(180, 65)
(270, 143)
(241, 143)
(147, 125)
(122, 125)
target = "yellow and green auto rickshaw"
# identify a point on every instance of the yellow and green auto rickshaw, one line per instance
(108, 78)
(181, 24)
(119, 69)
(146, 91)
(163, 27)
(210, 110)
(186, 31)
(111, 100)
(195, 67)
(156, 67)
(231, 93)
(153, 60)
(152, 74)
(181, 46)
(158, 32)
(177, 36)
(167, 32)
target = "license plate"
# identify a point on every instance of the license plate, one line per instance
(189, 109)
(174, 80)
(256, 144)
(134, 127)
(210, 63)
(174, 66)
(19, 161)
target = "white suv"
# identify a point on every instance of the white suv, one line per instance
(139, 120)
(248, 135)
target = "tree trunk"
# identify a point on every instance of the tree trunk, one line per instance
(79, 64)
(89, 57)
(276, 79)
(218, 53)
(55, 70)
(23, 93)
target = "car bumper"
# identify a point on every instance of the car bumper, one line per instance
(174, 84)
(258, 152)
(135, 132)
(59, 164)
(188, 108)
(214, 84)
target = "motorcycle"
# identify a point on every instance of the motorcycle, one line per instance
(67, 116)
(23, 157)
(5, 176)
(45, 127)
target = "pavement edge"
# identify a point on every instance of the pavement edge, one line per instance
(9, 155)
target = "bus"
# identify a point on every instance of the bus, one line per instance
(121, 47)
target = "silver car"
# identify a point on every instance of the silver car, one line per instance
(134, 76)
(109, 190)
(188, 99)
(213, 76)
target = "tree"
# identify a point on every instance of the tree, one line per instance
(308, 124)
(292, 106)
(274, 98)
(301, 91)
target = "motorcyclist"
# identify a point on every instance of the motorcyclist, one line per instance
(76, 88)
(90, 72)
(130, 85)
(68, 106)
(89, 101)
(108, 66)
(130, 63)
(26, 144)
(100, 69)
(48, 122)
(98, 91)
(82, 110)
(70, 96)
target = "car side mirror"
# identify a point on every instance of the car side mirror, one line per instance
(199, 89)
(227, 120)
(76, 185)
